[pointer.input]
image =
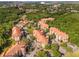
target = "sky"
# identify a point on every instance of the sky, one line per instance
(39, 0)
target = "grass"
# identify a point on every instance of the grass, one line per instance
(64, 45)
(5, 49)
(41, 54)
(72, 54)
(70, 25)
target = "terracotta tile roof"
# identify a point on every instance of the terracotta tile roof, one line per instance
(14, 50)
(45, 19)
(16, 32)
(23, 22)
(43, 25)
(55, 30)
(40, 37)
(62, 35)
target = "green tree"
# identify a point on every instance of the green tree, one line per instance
(41, 54)
(54, 47)
(56, 53)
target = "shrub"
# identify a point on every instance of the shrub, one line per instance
(56, 53)
(41, 54)
(54, 47)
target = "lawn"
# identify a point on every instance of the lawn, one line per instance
(70, 24)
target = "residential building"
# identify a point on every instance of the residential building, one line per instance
(60, 36)
(22, 23)
(40, 38)
(42, 25)
(16, 33)
(47, 19)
